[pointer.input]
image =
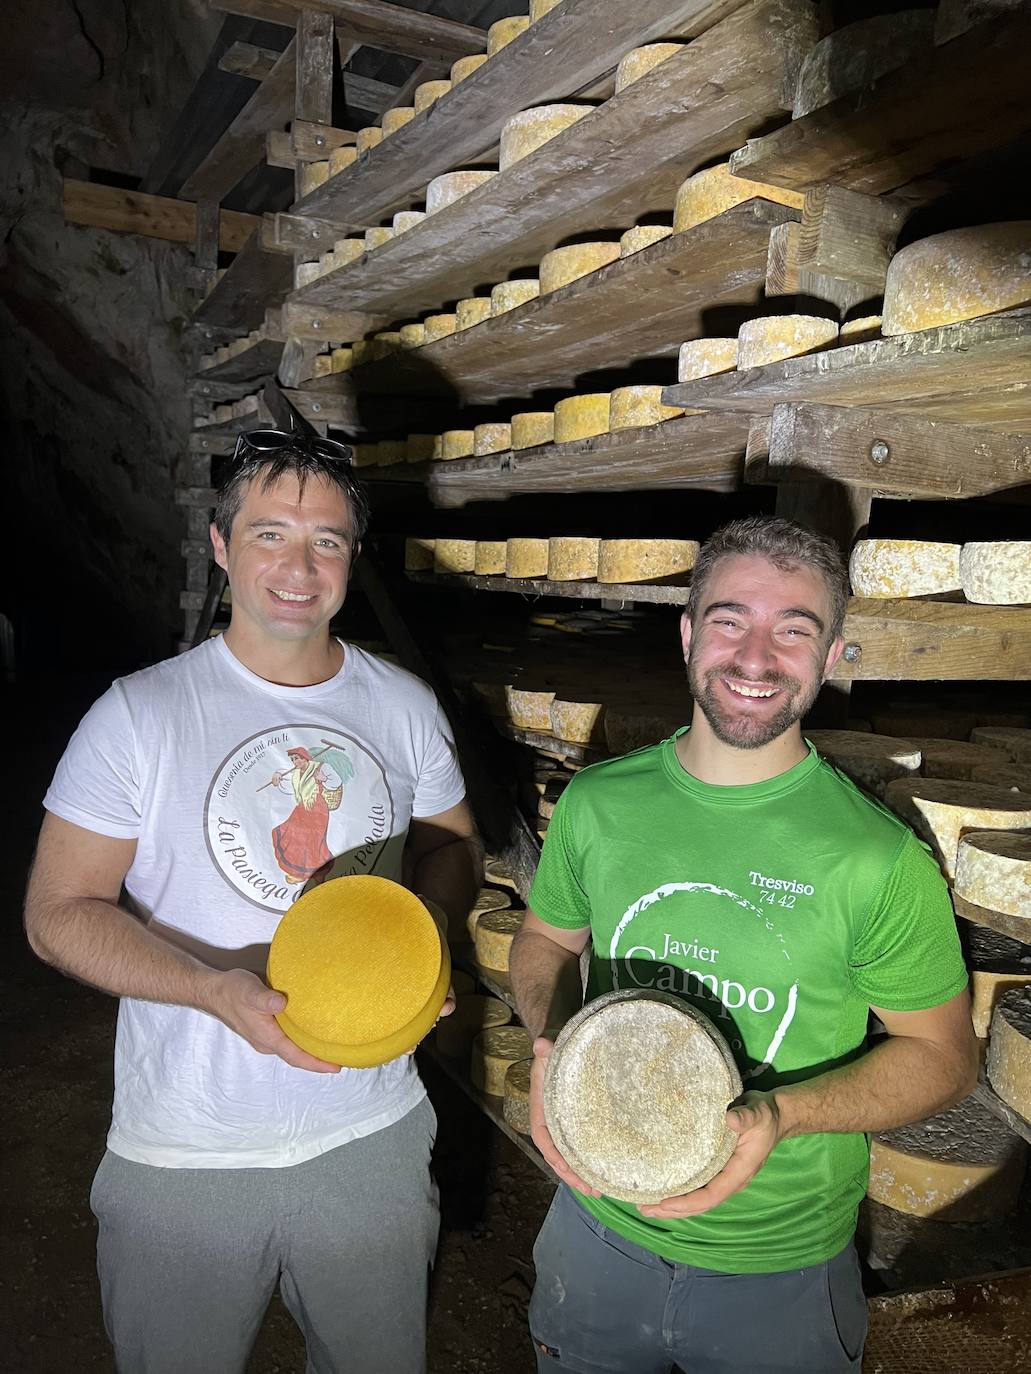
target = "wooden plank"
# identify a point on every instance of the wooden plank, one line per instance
(935, 641)
(247, 59)
(205, 243)
(366, 93)
(893, 454)
(313, 99)
(551, 744)
(389, 27)
(254, 282)
(312, 142)
(953, 102)
(657, 594)
(977, 372)
(260, 360)
(156, 217)
(242, 146)
(637, 307)
(702, 96)
(281, 233)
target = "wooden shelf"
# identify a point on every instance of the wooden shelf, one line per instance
(566, 51)
(654, 593)
(936, 641)
(250, 365)
(977, 372)
(544, 739)
(255, 281)
(952, 103)
(986, 1095)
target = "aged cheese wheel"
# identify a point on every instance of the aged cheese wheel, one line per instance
(473, 1014)
(958, 275)
(387, 341)
(407, 219)
(445, 190)
(581, 417)
(572, 558)
(377, 236)
(502, 32)
(341, 359)
(340, 158)
(472, 310)
(706, 358)
(493, 1053)
(578, 722)
(348, 250)
(429, 93)
(312, 176)
(1011, 740)
(488, 899)
(439, 326)
(517, 1095)
(368, 138)
(997, 574)
(507, 295)
(456, 443)
(491, 556)
(952, 758)
(942, 812)
(639, 62)
(903, 567)
(306, 272)
(527, 558)
(419, 447)
(361, 351)
(492, 437)
(527, 131)
(710, 192)
(412, 335)
(364, 967)
(465, 66)
(782, 336)
(1012, 775)
(993, 870)
(987, 989)
(397, 118)
(646, 560)
(642, 236)
(860, 330)
(495, 931)
(497, 871)
(631, 406)
(391, 451)
(322, 366)
(858, 54)
(454, 555)
(957, 1166)
(364, 455)
(1009, 1051)
(539, 8)
(563, 265)
(418, 554)
(868, 759)
(608, 1105)
(533, 427)
(528, 709)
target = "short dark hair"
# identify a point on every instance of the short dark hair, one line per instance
(294, 460)
(786, 545)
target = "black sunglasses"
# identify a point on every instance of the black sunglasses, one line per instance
(257, 441)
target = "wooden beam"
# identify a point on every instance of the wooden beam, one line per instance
(279, 150)
(205, 245)
(247, 59)
(935, 641)
(849, 236)
(242, 146)
(313, 97)
(156, 217)
(313, 142)
(255, 282)
(365, 93)
(392, 28)
(895, 455)
(282, 233)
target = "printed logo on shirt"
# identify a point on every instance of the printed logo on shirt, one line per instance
(652, 947)
(288, 803)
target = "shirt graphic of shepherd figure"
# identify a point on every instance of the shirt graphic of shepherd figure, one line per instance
(316, 782)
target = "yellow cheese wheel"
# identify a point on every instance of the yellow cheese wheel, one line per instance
(507, 295)
(342, 359)
(529, 130)
(578, 722)
(397, 118)
(456, 443)
(498, 871)
(903, 567)
(389, 341)
(321, 366)
(454, 555)
(465, 66)
(502, 32)
(306, 272)
(378, 236)
(572, 558)
(1013, 775)
(942, 812)
(539, 8)
(993, 870)
(420, 448)
(488, 899)
(429, 93)
(642, 236)
(532, 427)
(857, 54)
(391, 451)
(340, 158)
(563, 265)
(347, 250)
(312, 176)
(471, 311)
(361, 352)
(445, 190)
(364, 455)
(987, 989)
(407, 219)
(1013, 741)
(368, 138)
(1009, 1051)
(997, 574)
(527, 558)
(581, 417)
(495, 931)
(528, 709)
(774, 337)
(412, 335)
(706, 358)
(491, 555)
(860, 330)
(438, 326)
(473, 1014)
(868, 759)
(493, 1052)
(639, 61)
(517, 1095)
(646, 560)
(952, 758)
(365, 970)
(958, 275)
(418, 554)
(632, 406)
(492, 437)
(710, 192)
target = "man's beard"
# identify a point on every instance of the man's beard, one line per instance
(742, 731)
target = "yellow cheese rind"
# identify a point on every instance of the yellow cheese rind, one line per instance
(368, 138)
(502, 32)
(465, 66)
(377, 236)
(407, 219)
(517, 1095)
(507, 295)
(860, 330)
(495, 931)
(578, 722)
(1009, 1051)
(391, 451)
(706, 358)
(539, 8)
(473, 1014)
(998, 573)
(634, 406)
(412, 335)
(987, 990)
(528, 709)
(428, 94)
(396, 118)
(340, 158)
(490, 560)
(942, 812)
(348, 250)
(341, 359)
(958, 275)
(527, 131)
(710, 192)
(456, 443)
(439, 326)
(492, 437)
(454, 555)
(418, 554)
(572, 558)
(581, 417)
(420, 447)
(993, 870)
(642, 236)
(527, 558)
(575, 260)
(472, 311)
(774, 337)
(951, 1190)
(903, 567)
(639, 62)
(646, 560)
(445, 190)
(313, 175)
(533, 427)
(494, 1051)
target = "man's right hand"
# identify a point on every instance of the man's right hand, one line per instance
(539, 1133)
(248, 1006)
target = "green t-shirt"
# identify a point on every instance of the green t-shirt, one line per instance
(783, 910)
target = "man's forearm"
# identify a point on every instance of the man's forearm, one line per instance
(451, 875)
(546, 983)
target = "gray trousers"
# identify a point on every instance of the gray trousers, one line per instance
(602, 1303)
(189, 1258)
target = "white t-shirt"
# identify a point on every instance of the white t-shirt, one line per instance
(192, 759)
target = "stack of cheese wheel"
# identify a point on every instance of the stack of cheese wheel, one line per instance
(958, 1166)
(711, 192)
(870, 760)
(1009, 1051)
(903, 567)
(646, 560)
(997, 574)
(473, 1014)
(495, 931)
(494, 1051)
(517, 1095)
(943, 811)
(997, 963)
(608, 1104)
(487, 899)
(527, 131)
(857, 54)
(958, 275)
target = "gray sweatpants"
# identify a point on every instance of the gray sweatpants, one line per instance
(189, 1258)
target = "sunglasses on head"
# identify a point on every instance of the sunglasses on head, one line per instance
(259, 441)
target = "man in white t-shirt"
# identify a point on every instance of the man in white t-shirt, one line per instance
(191, 805)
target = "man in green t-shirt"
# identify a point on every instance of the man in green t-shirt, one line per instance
(730, 865)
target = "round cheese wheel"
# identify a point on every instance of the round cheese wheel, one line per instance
(364, 968)
(1009, 1051)
(340, 158)
(642, 236)
(473, 310)
(533, 427)
(527, 558)
(492, 437)
(993, 870)
(313, 175)
(378, 236)
(412, 335)
(639, 62)
(572, 558)
(502, 32)
(952, 758)
(454, 555)
(563, 265)
(608, 1104)
(1011, 775)
(347, 250)
(507, 295)
(710, 192)
(539, 8)
(420, 447)
(578, 722)
(304, 273)
(367, 138)
(868, 759)
(465, 66)
(528, 709)
(397, 118)
(646, 560)
(958, 275)
(942, 812)
(997, 574)
(494, 1052)
(517, 1095)
(457, 443)
(860, 330)
(445, 190)
(391, 451)
(473, 1014)
(495, 931)
(903, 567)
(706, 358)
(491, 555)
(782, 336)
(429, 93)
(633, 406)
(1013, 741)
(497, 871)
(986, 991)
(407, 219)
(857, 54)
(342, 359)
(527, 131)
(581, 417)
(438, 326)
(418, 555)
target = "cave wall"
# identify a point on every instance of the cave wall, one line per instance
(92, 378)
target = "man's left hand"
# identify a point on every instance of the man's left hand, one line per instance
(756, 1122)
